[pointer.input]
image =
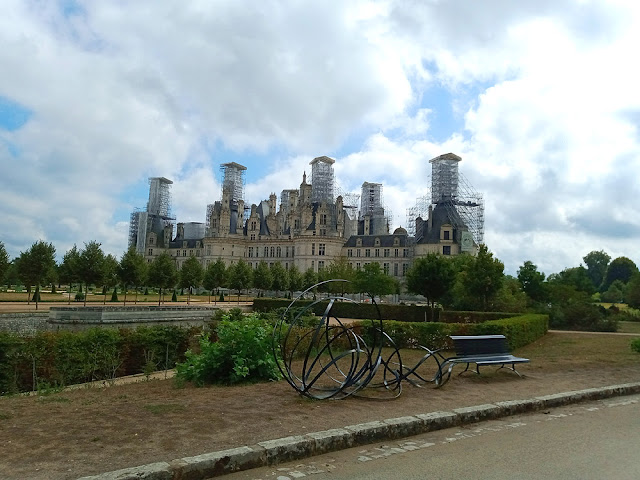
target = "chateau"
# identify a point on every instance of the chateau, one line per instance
(311, 226)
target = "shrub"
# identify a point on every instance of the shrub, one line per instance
(79, 297)
(635, 345)
(242, 353)
(114, 295)
(174, 297)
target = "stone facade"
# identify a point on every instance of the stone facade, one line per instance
(308, 234)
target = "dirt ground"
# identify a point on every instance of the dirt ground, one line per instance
(93, 430)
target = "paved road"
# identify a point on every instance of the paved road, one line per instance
(598, 440)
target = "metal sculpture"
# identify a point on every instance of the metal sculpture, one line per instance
(330, 359)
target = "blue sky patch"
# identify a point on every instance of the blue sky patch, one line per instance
(13, 115)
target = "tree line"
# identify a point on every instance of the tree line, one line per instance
(460, 282)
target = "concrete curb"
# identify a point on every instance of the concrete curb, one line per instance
(292, 448)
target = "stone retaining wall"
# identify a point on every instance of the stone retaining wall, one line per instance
(82, 318)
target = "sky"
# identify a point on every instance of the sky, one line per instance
(541, 99)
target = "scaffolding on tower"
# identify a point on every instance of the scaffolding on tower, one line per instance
(233, 180)
(452, 190)
(322, 180)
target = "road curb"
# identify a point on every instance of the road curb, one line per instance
(269, 452)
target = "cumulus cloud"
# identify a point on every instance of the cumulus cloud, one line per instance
(545, 94)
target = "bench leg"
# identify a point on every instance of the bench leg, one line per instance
(476, 371)
(512, 368)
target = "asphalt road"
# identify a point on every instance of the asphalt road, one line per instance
(596, 440)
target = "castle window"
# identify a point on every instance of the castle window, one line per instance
(386, 252)
(151, 251)
(359, 242)
(208, 250)
(396, 252)
(396, 241)
(286, 252)
(266, 252)
(323, 232)
(358, 266)
(278, 252)
(253, 236)
(191, 253)
(350, 252)
(377, 252)
(320, 265)
(323, 219)
(405, 252)
(377, 242)
(250, 252)
(253, 225)
(446, 249)
(184, 253)
(445, 235)
(357, 252)
(395, 269)
(385, 268)
(273, 251)
(367, 252)
(313, 249)
(151, 239)
(405, 268)
(321, 248)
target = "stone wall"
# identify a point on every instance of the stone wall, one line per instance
(81, 318)
(24, 323)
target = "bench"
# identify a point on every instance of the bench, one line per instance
(479, 350)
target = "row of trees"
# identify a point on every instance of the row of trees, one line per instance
(460, 282)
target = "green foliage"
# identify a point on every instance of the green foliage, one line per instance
(635, 345)
(280, 277)
(633, 291)
(36, 266)
(510, 297)
(520, 331)
(52, 359)
(483, 277)
(114, 294)
(373, 281)
(262, 277)
(4, 262)
(240, 276)
(215, 275)
(132, 270)
(242, 353)
(577, 277)
(431, 277)
(309, 279)
(174, 297)
(622, 268)
(295, 280)
(91, 264)
(597, 263)
(340, 268)
(191, 275)
(532, 282)
(221, 299)
(614, 293)
(162, 273)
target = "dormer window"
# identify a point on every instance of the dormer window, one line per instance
(359, 242)
(377, 242)
(396, 241)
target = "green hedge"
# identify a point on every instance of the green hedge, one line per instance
(65, 358)
(405, 313)
(520, 331)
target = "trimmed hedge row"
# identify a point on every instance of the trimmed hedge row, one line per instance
(52, 359)
(407, 313)
(520, 331)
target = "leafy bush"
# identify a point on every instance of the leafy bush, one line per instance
(635, 345)
(242, 353)
(79, 297)
(520, 331)
(405, 313)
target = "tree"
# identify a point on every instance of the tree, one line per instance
(36, 266)
(162, 273)
(110, 274)
(215, 276)
(309, 279)
(633, 291)
(4, 262)
(510, 297)
(91, 266)
(262, 277)
(430, 276)
(295, 279)
(240, 276)
(68, 269)
(340, 268)
(532, 281)
(483, 278)
(614, 293)
(577, 277)
(622, 268)
(191, 275)
(372, 281)
(131, 271)
(597, 263)
(280, 278)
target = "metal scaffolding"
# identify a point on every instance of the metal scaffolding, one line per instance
(159, 196)
(233, 180)
(452, 190)
(285, 200)
(322, 179)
